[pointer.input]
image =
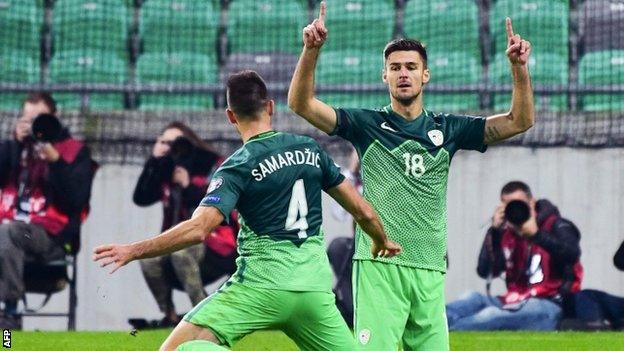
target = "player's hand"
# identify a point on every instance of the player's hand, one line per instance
(315, 34)
(117, 255)
(386, 249)
(518, 50)
(498, 219)
(181, 177)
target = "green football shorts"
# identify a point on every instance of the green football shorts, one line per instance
(310, 319)
(398, 305)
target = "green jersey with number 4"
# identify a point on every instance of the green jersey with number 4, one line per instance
(275, 181)
(405, 166)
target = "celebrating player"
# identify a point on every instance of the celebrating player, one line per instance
(283, 280)
(405, 154)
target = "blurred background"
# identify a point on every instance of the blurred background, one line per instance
(123, 69)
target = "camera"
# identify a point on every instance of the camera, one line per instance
(46, 128)
(517, 212)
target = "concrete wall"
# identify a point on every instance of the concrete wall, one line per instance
(587, 185)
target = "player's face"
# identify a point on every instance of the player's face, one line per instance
(405, 74)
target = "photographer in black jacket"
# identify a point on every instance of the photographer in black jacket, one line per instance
(177, 174)
(45, 186)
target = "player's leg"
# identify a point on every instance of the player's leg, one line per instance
(185, 332)
(232, 312)
(200, 345)
(381, 304)
(426, 328)
(317, 325)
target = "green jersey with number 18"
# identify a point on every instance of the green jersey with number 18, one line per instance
(275, 181)
(405, 166)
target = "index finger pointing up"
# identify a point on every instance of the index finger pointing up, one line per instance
(509, 28)
(322, 11)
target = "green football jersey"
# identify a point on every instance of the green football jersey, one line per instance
(405, 166)
(275, 181)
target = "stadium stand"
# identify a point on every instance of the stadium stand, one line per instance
(21, 27)
(453, 69)
(17, 67)
(601, 25)
(178, 68)
(602, 68)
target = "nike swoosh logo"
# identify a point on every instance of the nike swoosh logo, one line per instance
(385, 126)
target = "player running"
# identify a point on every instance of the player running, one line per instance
(283, 279)
(405, 154)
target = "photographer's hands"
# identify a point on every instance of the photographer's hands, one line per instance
(528, 228)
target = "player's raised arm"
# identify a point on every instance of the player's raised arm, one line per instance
(521, 116)
(364, 214)
(301, 97)
(185, 234)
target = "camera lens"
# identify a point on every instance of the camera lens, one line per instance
(517, 212)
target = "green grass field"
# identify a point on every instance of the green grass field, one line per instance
(276, 341)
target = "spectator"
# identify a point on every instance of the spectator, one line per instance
(177, 175)
(44, 196)
(598, 309)
(540, 259)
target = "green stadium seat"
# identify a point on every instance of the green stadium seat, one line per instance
(79, 66)
(359, 24)
(179, 25)
(177, 68)
(91, 25)
(602, 68)
(453, 69)
(547, 69)
(265, 26)
(444, 25)
(351, 67)
(543, 22)
(16, 67)
(20, 26)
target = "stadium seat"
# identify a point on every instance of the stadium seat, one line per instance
(16, 67)
(265, 26)
(602, 68)
(21, 24)
(179, 25)
(84, 67)
(602, 25)
(543, 22)
(354, 68)
(453, 69)
(91, 25)
(275, 68)
(359, 24)
(444, 25)
(178, 68)
(547, 69)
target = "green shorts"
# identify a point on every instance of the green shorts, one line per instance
(310, 319)
(398, 305)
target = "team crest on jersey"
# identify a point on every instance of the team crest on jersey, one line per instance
(364, 336)
(215, 183)
(436, 136)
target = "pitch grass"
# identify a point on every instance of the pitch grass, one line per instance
(277, 341)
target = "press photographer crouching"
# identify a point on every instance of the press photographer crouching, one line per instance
(177, 174)
(539, 253)
(45, 187)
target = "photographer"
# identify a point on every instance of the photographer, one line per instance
(177, 175)
(45, 186)
(539, 253)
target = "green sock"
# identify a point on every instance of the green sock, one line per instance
(200, 345)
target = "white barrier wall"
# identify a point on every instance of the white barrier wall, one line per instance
(587, 185)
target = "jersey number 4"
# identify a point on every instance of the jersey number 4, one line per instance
(298, 208)
(414, 165)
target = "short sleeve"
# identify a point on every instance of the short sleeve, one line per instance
(345, 124)
(331, 172)
(225, 188)
(470, 133)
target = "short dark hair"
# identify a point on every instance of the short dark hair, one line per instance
(246, 93)
(41, 96)
(514, 186)
(406, 44)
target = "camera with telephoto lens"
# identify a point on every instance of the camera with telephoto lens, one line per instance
(517, 212)
(46, 128)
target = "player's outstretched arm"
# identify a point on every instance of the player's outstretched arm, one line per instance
(301, 97)
(185, 234)
(364, 214)
(521, 116)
